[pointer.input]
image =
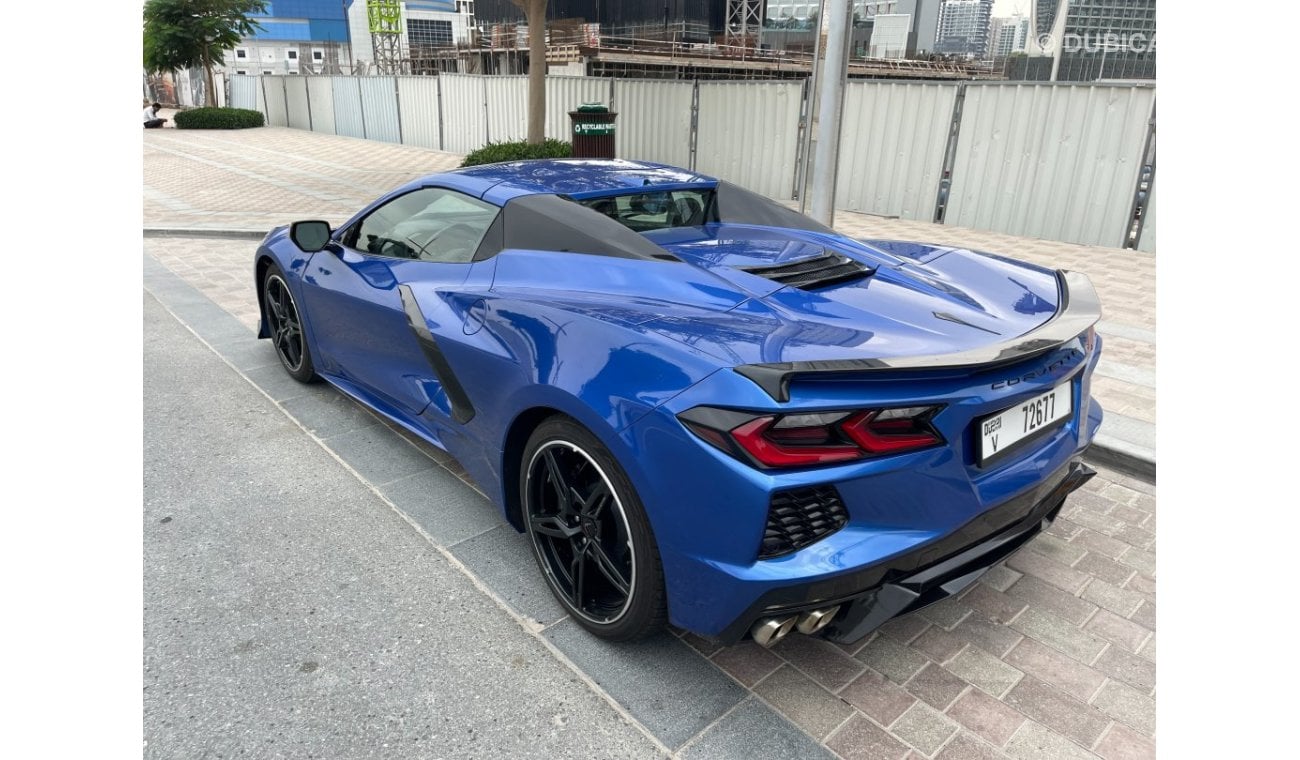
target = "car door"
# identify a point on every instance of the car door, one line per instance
(353, 290)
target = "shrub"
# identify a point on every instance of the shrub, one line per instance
(218, 118)
(518, 151)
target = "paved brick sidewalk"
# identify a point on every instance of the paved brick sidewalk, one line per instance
(260, 178)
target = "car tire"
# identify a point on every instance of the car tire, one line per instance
(283, 321)
(589, 532)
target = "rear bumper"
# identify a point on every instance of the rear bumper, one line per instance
(905, 583)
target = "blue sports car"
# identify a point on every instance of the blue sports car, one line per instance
(701, 406)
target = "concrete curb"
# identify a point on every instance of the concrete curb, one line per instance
(204, 232)
(1111, 451)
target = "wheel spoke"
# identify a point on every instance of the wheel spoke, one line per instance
(553, 527)
(595, 500)
(557, 480)
(578, 571)
(608, 568)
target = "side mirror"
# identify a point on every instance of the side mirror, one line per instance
(310, 236)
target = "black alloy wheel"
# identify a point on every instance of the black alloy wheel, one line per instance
(285, 326)
(589, 533)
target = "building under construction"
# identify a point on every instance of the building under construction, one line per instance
(661, 39)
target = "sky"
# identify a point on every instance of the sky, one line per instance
(1008, 7)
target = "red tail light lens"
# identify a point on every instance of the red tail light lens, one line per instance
(806, 439)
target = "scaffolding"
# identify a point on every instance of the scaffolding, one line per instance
(386, 35)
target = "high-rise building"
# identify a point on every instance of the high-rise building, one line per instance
(1094, 39)
(925, 25)
(964, 28)
(1009, 35)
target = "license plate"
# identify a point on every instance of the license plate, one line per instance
(1001, 432)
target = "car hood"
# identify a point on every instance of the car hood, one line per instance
(904, 298)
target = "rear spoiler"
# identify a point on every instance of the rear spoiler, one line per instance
(1078, 309)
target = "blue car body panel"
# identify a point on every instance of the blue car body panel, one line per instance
(624, 345)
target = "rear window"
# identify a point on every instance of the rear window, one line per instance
(656, 210)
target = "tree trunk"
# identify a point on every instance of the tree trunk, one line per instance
(536, 13)
(210, 90)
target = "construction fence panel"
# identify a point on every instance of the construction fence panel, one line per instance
(507, 107)
(295, 98)
(654, 120)
(1058, 162)
(277, 112)
(379, 101)
(464, 119)
(1147, 237)
(243, 92)
(419, 113)
(565, 94)
(748, 133)
(320, 95)
(893, 139)
(349, 120)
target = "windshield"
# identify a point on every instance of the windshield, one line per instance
(656, 210)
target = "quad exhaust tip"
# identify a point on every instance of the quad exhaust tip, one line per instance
(768, 631)
(814, 621)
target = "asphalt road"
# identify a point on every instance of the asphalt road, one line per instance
(287, 608)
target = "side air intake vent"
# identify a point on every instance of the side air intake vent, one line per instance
(801, 517)
(816, 272)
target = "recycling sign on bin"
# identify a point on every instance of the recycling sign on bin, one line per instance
(593, 129)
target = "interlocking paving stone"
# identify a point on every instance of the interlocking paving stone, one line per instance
(936, 686)
(946, 614)
(1044, 596)
(1047, 569)
(991, 718)
(1127, 705)
(1102, 567)
(1047, 664)
(1145, 615)
(652, 679)
(821, 661)
(1133, 670)
(985, 671)
(941, 645)
(1035, 742)
(965, 746)
(1060, 635)
(1057, 548)
(888, 657)
(747, 662)
(1058, 711)
(751, 731)
(1113, 628)
(860, 739)
(1121, 601)
(1099, 543)
(995, 604)
(877, 697)
(906, 628)
(1000, 577)
(993, 637)
(924, 728)
(811, 707)
(1123, 743)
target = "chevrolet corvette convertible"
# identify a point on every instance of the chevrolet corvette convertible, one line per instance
(702, 407)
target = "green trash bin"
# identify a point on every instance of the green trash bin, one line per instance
(593, 131)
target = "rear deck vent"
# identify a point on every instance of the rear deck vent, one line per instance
(816, 272)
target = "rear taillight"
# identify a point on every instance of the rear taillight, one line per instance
(805, 439)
